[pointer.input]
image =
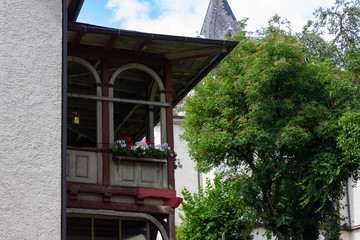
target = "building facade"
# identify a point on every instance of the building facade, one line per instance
(69, 91)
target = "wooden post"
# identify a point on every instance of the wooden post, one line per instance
(171, 225)
(105, 122)
(169, 124)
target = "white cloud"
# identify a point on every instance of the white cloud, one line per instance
(125, 10)
(185, 17)
(260, 11)
(176, 17)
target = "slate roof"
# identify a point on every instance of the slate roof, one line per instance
(219, 20)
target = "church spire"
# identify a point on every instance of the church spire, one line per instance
(219, 20)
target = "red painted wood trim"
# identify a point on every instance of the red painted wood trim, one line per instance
(105, 121)
(76, 42)
(111, 43)
(126, 191)
(143, 46)
(118, 207)
(115, 54)
(94, 188)
(173, 202)
(169, 125)
(157, 193)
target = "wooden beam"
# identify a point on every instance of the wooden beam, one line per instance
(125, 119)
(110, 43)
(134, 76)
(77, 40)
(71, 8)
(120, 55)
(171, 224)
(192, 57)
(142, 47)
(178, 55)
(182, 82)
(169, 125)
(127, 207)
(176, 70)
(105, 121)
(119, 100)
(93, 188)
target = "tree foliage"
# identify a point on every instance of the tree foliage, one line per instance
(340, 25)
(215, 212)
(284, 111)
(269, 112)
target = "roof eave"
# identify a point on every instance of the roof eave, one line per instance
(88, 28)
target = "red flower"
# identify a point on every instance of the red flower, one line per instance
(127, 139)
(149, 143)
(129, 145)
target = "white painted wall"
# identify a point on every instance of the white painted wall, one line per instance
(354, 205)
(30, 119)
(186, 176)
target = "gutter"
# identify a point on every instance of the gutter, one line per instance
(348, 204)
(88, 28)
(64, 120)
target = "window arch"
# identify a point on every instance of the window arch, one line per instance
(83, 79)
(156, 87)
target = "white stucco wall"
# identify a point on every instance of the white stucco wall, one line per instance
(30, 119)
(354, 207)
(186, 176)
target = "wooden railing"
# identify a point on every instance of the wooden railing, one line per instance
(126, 171)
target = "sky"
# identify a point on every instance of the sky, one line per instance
(185, 17)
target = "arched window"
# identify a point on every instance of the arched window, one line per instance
(144, 97)
(82, 80)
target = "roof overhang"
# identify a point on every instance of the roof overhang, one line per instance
(191, 59)
(188, 59)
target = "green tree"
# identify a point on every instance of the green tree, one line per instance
(270, 112)
(215, 212)
(339, 24)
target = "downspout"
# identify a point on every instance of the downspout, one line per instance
(199, 181)
(348, 203)
(64, 120)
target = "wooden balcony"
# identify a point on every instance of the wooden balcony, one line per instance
(86, 166)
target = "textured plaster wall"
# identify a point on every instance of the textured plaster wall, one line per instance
(30, 119)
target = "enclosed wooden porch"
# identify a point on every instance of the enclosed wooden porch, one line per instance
(121, 84)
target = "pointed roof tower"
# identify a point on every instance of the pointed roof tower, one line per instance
(219, 20)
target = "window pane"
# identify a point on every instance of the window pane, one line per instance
(106, 229)
(78, 228)
(133, 230)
